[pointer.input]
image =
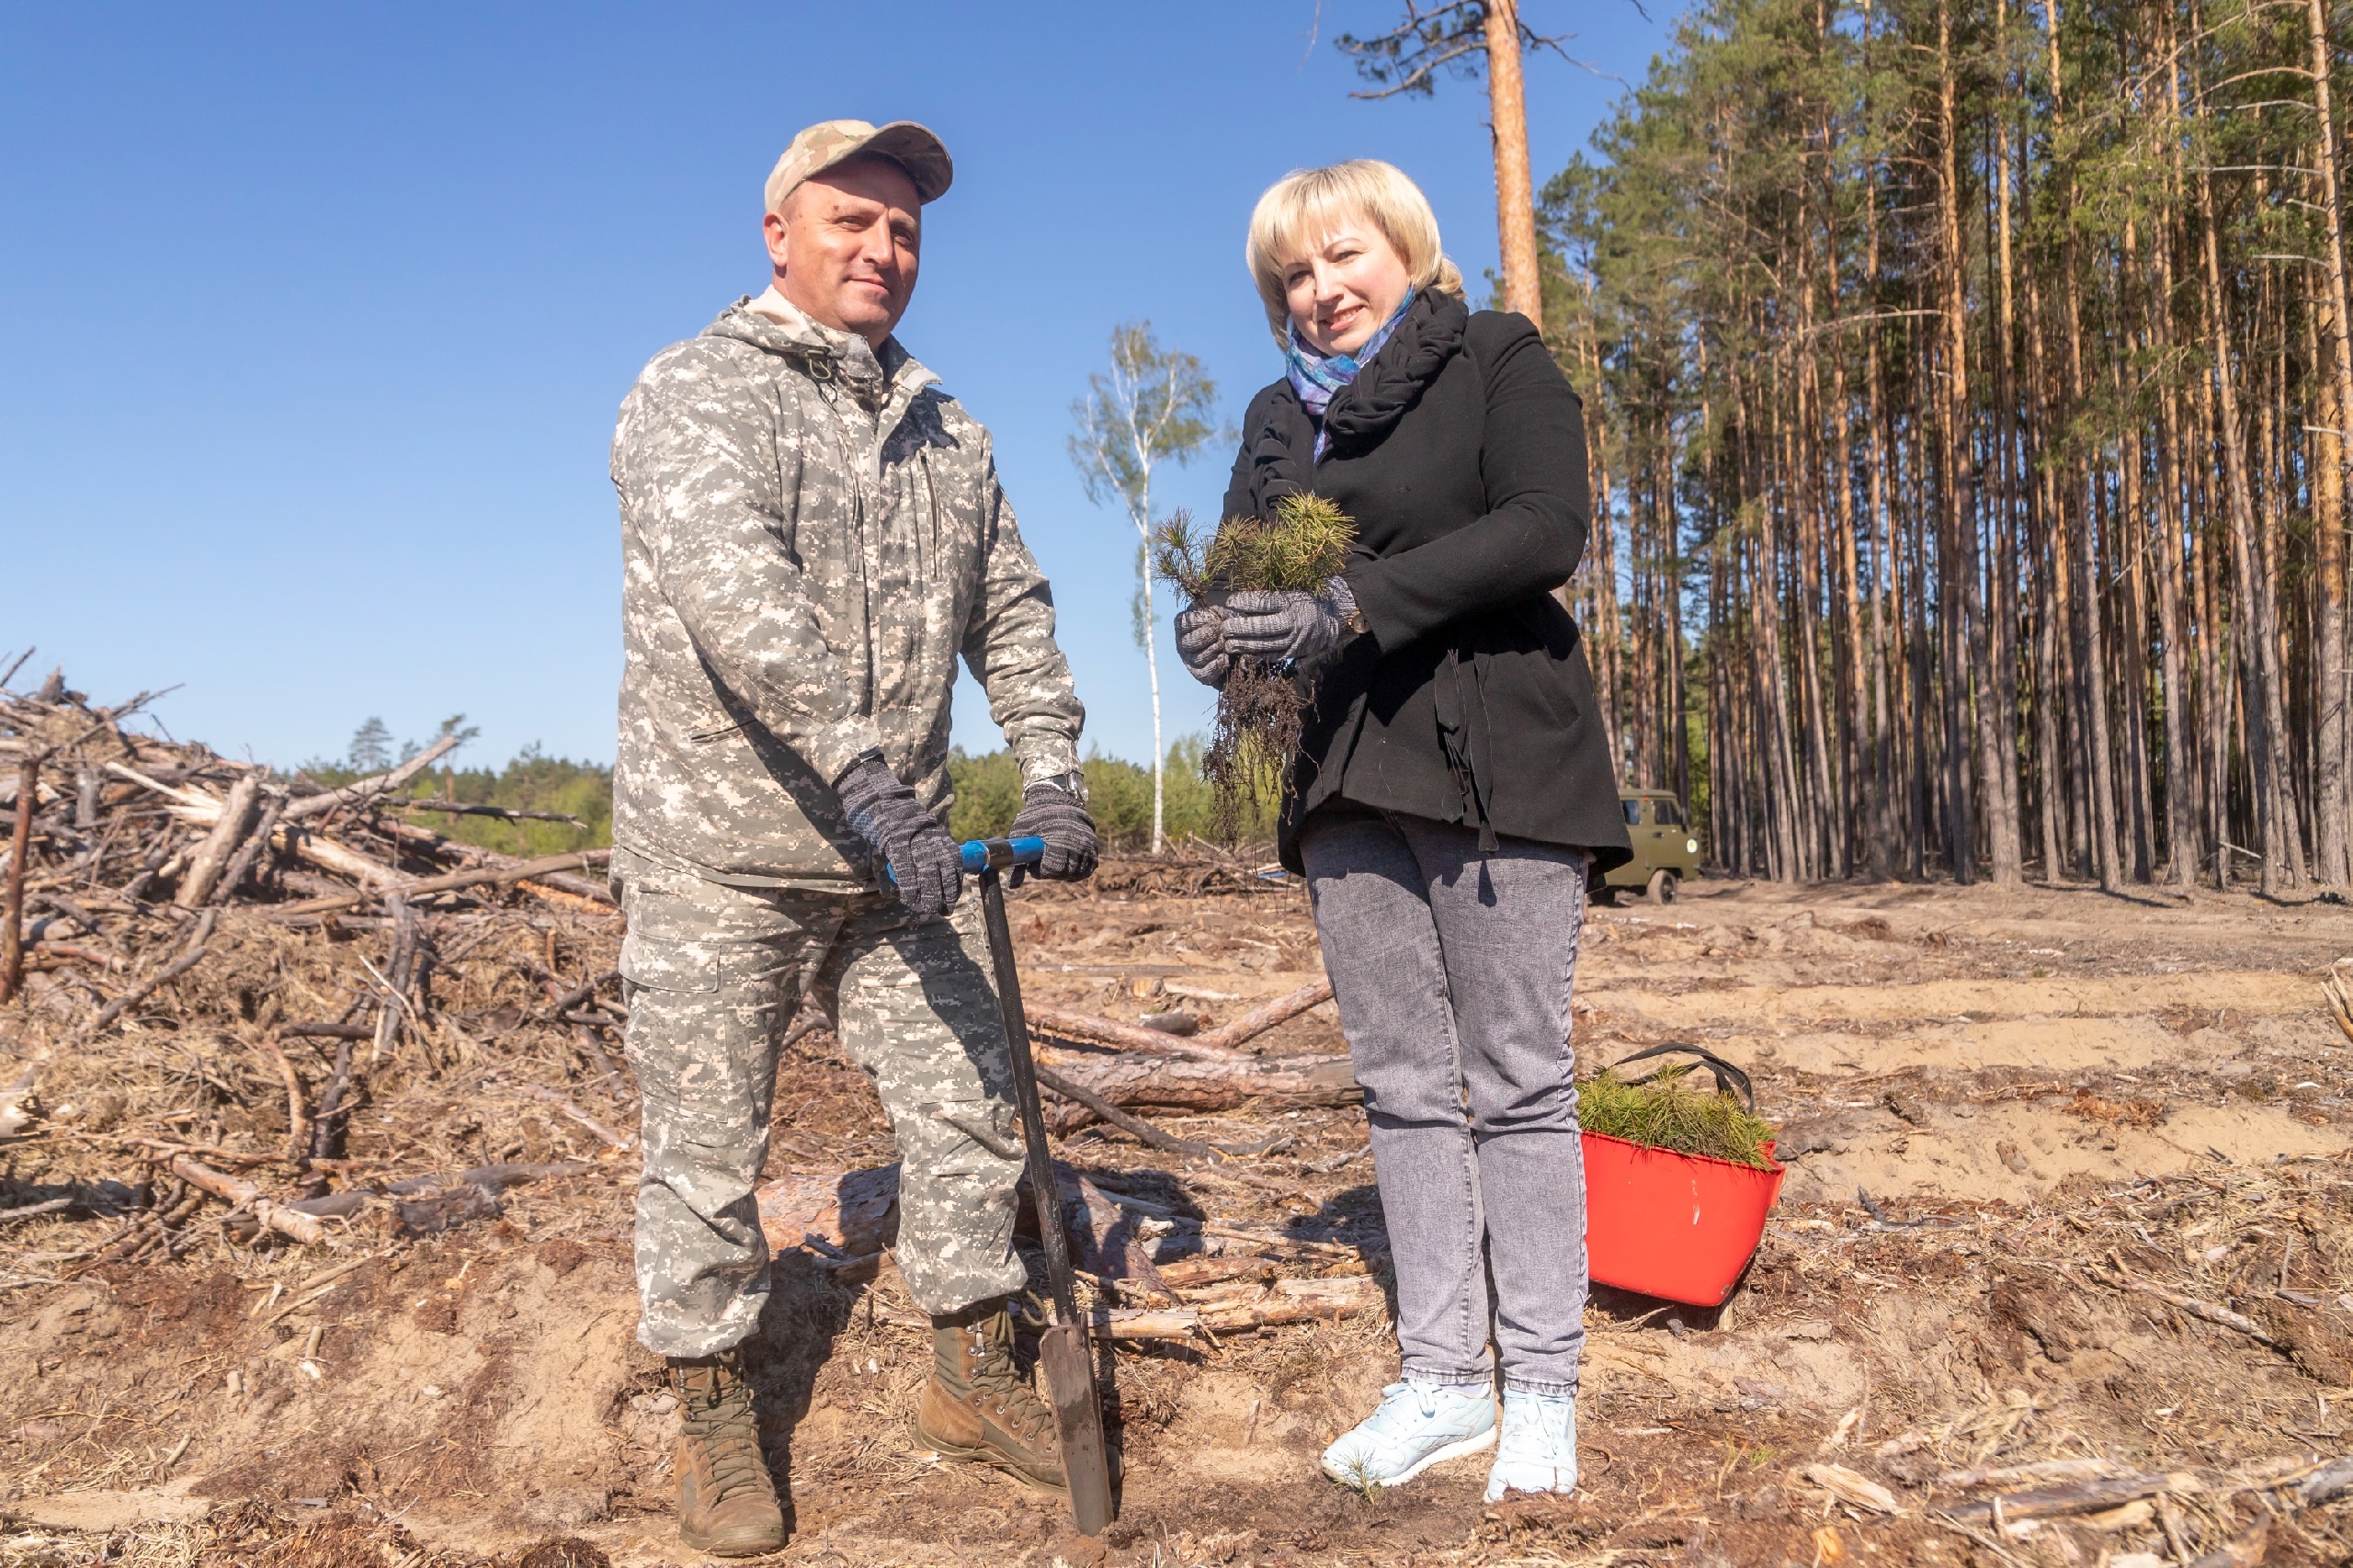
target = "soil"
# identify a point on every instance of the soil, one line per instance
(2008, 1118)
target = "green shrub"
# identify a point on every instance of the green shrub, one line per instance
(531, 782)
(988, 794)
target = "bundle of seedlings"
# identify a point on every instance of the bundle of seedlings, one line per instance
(1659, 1112)
(1262, 708)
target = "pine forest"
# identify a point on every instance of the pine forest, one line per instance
(1968, 382)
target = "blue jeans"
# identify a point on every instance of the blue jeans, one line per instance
(1452, 972)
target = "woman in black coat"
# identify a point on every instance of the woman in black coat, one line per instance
(1452, 790)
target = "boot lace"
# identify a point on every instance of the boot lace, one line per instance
(994, 1370)
(718, 1418)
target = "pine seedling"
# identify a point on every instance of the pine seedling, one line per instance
(1262, 709)
(1660, 1113)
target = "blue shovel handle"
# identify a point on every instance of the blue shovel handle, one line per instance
(980, 853)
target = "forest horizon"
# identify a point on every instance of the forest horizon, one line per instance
(1967, 384)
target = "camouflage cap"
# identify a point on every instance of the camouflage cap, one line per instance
(906, 144)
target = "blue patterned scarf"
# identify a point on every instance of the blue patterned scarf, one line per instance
(1318, 378)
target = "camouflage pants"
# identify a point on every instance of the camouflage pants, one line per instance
(715, 973)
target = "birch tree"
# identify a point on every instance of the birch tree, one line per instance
(1149, 406)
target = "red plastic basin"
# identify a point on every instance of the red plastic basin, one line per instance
(1680, 1227)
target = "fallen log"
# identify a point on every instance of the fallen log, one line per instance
(265, 833)
(1138, 1128)
(1220, 1044)
(228, 836)
(474, 854)
(1182, 1084)
(298, 1120)
(1286, 1302)
(1127, 1037)
(853, 1213)
(489, 1180)
(2080, 1497)
(1259, 1019)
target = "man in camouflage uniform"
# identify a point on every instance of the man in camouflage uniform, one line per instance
(813, 533)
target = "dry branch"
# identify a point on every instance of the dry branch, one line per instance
(2195, 1308)
(604, 1133)
(368, 789)
(244, 1194)
(189, 958)
(297, 1125)
(495, 876)
(2079, 1497)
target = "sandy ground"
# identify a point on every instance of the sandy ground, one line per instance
(2021, 1129)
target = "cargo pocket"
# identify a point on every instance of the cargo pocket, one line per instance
(662, 964)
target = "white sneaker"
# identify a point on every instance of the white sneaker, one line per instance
(1540, 1445)
(1417, 1425)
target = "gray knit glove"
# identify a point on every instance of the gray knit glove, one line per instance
(1055, 811)
(1290, 625)
(924, 862)
(1200, 643)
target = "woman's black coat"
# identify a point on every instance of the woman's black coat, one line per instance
(1460, 451)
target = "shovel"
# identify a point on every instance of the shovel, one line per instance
(1063, 1348)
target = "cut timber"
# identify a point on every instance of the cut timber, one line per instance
(228, 835)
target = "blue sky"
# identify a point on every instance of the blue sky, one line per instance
(317, 316)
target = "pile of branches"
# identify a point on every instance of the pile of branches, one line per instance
(208, 968)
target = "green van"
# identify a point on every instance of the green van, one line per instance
(1666, 849)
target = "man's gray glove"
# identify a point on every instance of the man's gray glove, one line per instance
(928, 866)
(1200, 643)
(1290, 624)
(1056, 812)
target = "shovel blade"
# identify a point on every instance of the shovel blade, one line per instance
(1064, 1355)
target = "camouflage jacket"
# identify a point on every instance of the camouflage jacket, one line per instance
(811, 535)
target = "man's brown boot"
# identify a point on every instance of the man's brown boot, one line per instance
(979, 1406)
(727, 1505)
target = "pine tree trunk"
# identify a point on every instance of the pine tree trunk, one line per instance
(2332, 740)
(1515, 190)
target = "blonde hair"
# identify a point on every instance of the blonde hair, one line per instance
(1306, 203)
